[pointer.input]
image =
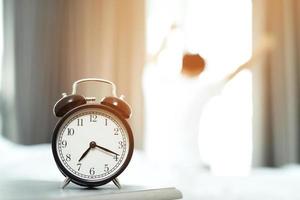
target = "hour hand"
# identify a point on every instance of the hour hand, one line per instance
(107, 150)
(84, 154)
(92, 145)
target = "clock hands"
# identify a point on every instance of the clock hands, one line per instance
(93, 145)
(105, 149)
(84, 154)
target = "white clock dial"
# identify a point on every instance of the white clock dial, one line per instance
(92, 144)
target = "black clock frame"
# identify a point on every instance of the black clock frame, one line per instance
(74, 178)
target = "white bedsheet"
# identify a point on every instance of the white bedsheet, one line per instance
(36, 163)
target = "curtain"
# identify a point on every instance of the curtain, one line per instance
(276, 84)
(50, 44)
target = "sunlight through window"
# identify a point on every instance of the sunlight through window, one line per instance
(221, 32)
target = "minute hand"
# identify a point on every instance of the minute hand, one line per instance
(105, 149)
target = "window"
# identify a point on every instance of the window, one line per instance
(221, 32)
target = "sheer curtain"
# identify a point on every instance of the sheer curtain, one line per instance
(276, 84)
(50, 44)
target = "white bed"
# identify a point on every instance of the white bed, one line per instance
(36, 163)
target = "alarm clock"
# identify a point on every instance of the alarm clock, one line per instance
(92, 143)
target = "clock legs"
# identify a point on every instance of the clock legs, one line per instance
(66, 182)
(117, 183)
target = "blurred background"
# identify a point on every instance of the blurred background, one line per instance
(178, 119)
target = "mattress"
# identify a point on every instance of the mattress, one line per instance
(36, 163)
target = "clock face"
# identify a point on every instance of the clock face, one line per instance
(93, 145)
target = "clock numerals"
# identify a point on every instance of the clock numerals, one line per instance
(79, 166)
(116, 131)
(121, 145)
(106, 168)
(68, 157)
(93, 118)
(64, 143)
(79, 122)
(82, 130)
(71, 131)
(116, 157)
(92, 171)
